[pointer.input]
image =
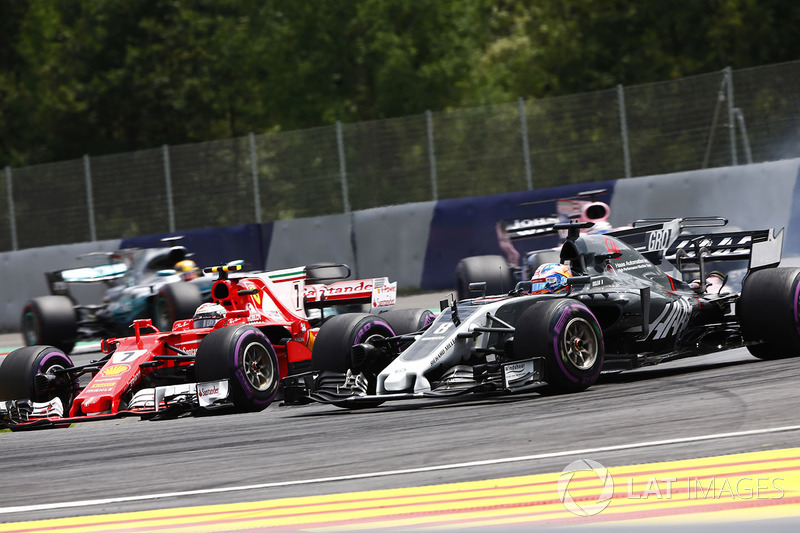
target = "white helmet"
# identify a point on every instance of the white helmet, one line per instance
(207, 315)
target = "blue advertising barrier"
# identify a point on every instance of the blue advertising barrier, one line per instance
(466, 226)
(215, 246)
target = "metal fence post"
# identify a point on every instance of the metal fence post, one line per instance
(87, 171)
(432, 156)
(623, 128)
(168, 180)
(731, 118)
(12, 219)
(342, 166)
(254, 169)
(526, 149)
(745, 139)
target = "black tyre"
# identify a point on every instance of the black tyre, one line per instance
(175, 301)
(246, 358)
(404, 321)
(50, 320)
(567, 335)
(332, 348)
(493, 269)
(768, 312)
(18, 373)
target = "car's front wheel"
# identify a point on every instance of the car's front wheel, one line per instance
(19, 371)
(333, 351)
(246, 358)
(567, 335)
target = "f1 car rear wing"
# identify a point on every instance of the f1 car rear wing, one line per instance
(58, 281)
(582, 207)
(526, 228)
(379, 293)
(659, 239)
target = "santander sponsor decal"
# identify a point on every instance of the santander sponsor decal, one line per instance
(207, 391)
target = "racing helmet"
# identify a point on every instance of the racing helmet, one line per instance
(550, 278)
(207, 315)
(187, 269)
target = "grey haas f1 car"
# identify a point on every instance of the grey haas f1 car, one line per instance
(621, 309)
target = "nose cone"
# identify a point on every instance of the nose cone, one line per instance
(399, 382)
(402, 381)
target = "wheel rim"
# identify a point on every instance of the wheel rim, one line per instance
(30, 327)
(58, 386)
(579, 344)
(364, 365)
(258, 366)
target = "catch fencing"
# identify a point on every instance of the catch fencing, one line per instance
(712, 120)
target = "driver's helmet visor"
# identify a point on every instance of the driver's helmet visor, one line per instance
(549, 284)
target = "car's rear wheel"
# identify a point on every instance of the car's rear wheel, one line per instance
(405, 321)
(246, 358)
(175, 301)
(332, 349)
(492, 269)
(50, 320)
(769, 312)
(567, 335)
(19, 371)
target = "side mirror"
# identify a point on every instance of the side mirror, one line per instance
(479, 286)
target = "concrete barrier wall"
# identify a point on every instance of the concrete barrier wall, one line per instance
(305, 241)
(22, 276)
(388, 241)
(750, 197)
(420, 244)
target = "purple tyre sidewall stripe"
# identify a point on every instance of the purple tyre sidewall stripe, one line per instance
(365, 329)
(52, 355)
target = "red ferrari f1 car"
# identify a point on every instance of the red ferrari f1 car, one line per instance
(231, 355)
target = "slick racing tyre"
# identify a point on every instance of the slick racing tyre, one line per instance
(246, 358)
(405, 321)
(175, 301)
(567, 335)
(19, 371)
(333, 348)
(493, 269)
(768, 312)
(50, 320)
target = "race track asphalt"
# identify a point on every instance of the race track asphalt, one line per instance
(712, 395)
